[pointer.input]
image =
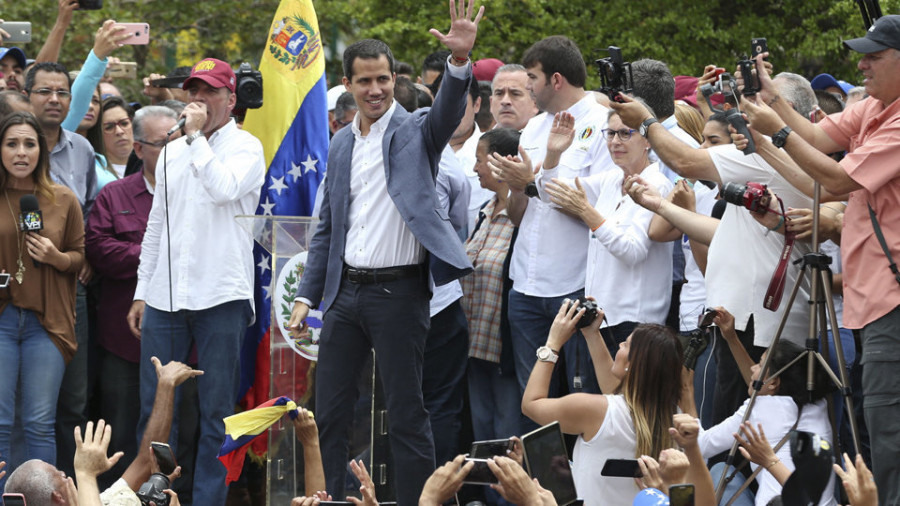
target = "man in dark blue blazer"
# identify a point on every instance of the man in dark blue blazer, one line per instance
(383, 239)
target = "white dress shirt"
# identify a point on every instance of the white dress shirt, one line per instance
(628, 274)
(211, 255)
(551, 249)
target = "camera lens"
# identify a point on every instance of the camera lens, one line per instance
(733, 193)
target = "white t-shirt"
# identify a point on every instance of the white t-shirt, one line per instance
(615, 440)
(551, 248)
(742, 257)
(693, 292)
(777, 414)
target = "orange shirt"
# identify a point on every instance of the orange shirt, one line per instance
(871, 134)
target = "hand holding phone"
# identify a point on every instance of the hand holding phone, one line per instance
(480, 474)
(681, 495)
(622, 468)
(165, 457)
(139, 34)
(19, 31)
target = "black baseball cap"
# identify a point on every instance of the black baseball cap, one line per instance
(883, 34)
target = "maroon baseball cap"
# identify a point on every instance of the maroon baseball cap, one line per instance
(485, 69)
(213, 72)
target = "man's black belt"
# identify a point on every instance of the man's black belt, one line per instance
(381, 275)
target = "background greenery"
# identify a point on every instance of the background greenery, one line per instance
(804, 36)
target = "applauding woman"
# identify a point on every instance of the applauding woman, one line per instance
(37, 309)
(644, 381)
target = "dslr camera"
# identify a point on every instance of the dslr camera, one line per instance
(615, 74)
(248, 87)
(152, 490)
(591, 309)
(754, 196)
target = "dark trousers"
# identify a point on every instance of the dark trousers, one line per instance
(72, 400)
(391, 317)
(120, 406)
(446, 352)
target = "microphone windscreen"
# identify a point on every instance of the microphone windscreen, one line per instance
(28, 203)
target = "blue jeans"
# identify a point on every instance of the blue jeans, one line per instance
(530, 319)
(494, 399)
(745, 499)
(28, 357)
(218, 333)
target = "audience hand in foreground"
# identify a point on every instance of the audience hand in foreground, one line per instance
(173, 498)
(670, 469)
(305, 501)
(2, 472)
(174, 373)
(858, 482)
(685, 430)
(367, 487)
(517, 453)
(90, 451)
(445, 482)
(305, 428)
(754, 445)
(515, 485)
(642, 193)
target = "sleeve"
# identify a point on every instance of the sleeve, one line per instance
(150, 245)
(229, 177)
(843, 126)
(592, 184)
(73, 240)
(83, 90)
(312, 284)
(628, 239)
(448, 107)
(720, 438)
(874, 163)
(109, 254)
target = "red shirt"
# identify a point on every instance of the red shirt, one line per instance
(871, 134)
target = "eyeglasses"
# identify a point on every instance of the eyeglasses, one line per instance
(46, 92)
(124, 123)
(157, 144)
(624, 134)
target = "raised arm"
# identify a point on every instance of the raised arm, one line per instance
(697, 226)
(725, 321)
(50, 50)
(685, 431)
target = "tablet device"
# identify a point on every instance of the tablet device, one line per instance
(547, 460)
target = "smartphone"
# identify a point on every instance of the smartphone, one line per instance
(140, 34)
(165, 457)
(621, 468)
(491, 448)
(681, 495)
(706, 319)
(90, 5)
(122, 70)
(480, 474)
(719, 71)
(758, 46)
(13, 500)
(4, 280)
(19, 31)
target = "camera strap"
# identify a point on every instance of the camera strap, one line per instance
(880, 235)
(776, 286)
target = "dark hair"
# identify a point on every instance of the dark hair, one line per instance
(719, 117)
(6, 100)
(422, 96)
(46, 66)
(474, 92)
(113, 102)
(436, 61)
(557, 53)
(367, 49)
(652, 385)
(504, 141)
(41, 173)
(401, 67)
(793, 379)
(654, 83)
(829, 103)
(405, 94)
(483, 117)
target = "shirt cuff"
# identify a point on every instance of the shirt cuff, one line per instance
(201, 154)
(140, 291)
(459, 72)
(304, 300)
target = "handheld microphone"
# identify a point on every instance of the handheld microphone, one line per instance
(178, 126)
(30, 217)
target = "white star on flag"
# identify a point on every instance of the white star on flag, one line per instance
(266, 293)
(296, 171)
(310, 164)
(267, 207)
(263, 265)
(277, 184)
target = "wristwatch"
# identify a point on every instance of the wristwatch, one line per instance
(547, 354)
(194, 136)
(780, 136)
(531, 189)
(645, 126)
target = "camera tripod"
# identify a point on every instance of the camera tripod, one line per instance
(821, 306)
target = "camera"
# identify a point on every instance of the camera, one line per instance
(615, 74)
(152, 490)
(754, 196)
(726, 85)
(694, 348)
(751, 82)
(591, 309)
(249, 87)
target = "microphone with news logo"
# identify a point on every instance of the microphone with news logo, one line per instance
(30, 217)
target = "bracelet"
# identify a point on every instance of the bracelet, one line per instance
(780, 223)
(461, 61)
(598, 226)
(777, 460)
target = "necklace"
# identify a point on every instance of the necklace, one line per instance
(20, 272)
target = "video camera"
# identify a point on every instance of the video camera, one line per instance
(615, 74)
(248, 86)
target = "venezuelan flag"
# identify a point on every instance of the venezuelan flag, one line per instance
(293, 128)
(241, 429)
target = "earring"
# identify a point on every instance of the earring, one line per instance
(626, 369)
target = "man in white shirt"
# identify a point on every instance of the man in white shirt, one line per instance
(550, 254)
(512, 104)
(382, 236)
(195, 279)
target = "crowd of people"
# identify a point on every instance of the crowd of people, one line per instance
(516, 248)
